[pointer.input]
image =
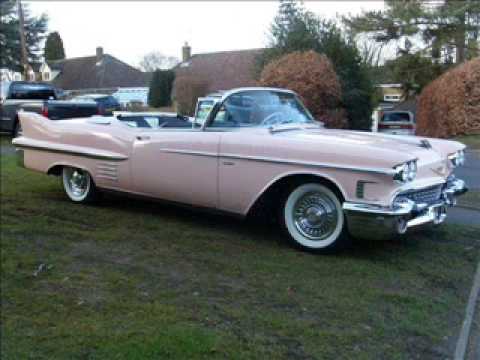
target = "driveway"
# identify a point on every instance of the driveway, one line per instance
(471, 171)
(471, 174)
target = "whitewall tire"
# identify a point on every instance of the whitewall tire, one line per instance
(312, 216)
(78, 185)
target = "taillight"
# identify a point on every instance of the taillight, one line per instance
(100, 110)
(396, 126)
(45, 110)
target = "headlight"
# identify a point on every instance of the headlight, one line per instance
(457, 159)
(406, 172)
(412, 170)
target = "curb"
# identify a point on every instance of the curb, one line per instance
(462, 342)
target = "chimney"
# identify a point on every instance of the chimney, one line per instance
(186, 52)
(99, 53)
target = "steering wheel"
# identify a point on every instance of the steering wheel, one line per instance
(272, 119)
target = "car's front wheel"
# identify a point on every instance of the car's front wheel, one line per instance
(78, 185)
(312, 216)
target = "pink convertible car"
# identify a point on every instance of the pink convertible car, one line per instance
(255, 148)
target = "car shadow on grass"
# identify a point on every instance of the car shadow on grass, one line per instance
(261, 230)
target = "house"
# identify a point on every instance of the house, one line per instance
(391, 95)
(10, 75)
(101, 73)
(220, 70)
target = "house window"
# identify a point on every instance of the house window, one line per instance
(46, 76)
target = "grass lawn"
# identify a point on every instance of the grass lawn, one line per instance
(472, 141)
(133, 279)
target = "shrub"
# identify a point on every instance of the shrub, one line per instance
(187, 89)
(450, 105)
(160, 91)
(313, 78)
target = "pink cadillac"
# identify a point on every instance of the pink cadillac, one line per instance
(257, 148)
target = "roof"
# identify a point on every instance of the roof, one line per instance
(87, 73)
(222, 70)
(407, 105)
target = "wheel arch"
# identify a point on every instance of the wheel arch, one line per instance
(274, 190)
(56, 169)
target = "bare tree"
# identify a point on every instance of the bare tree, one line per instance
(157, 61)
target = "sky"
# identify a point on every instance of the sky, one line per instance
(130, 29)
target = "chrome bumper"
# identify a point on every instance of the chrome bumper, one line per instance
(377, 222)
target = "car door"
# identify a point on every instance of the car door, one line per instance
(177, 165)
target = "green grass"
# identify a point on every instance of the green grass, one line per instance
(472, 141)
(131, 279)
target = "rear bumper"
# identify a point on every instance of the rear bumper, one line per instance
(377, 222)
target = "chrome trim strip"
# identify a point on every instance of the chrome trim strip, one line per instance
(189, 152)
(111, 178)
(402, 209)
(279, 161)
(88, 154)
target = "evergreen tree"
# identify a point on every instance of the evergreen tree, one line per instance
(35, 28)
(54, 47)
(446, 28)
(295, 29)
(161, 86)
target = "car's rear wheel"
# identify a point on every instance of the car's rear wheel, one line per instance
(313, 218)
(78, 185)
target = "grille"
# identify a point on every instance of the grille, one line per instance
(429, 195)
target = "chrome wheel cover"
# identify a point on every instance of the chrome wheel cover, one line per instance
(315, 216)
(77, 183)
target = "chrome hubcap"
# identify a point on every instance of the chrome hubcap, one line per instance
(78, 182)
(315, 216)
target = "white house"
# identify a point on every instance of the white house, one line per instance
(9, 75)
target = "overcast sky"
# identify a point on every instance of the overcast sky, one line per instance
(130, 29)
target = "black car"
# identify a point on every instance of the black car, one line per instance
(107, 104)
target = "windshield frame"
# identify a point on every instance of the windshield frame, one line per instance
(218, 105)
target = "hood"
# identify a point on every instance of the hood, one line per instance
(374, 148)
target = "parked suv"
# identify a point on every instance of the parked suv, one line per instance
(397, 123)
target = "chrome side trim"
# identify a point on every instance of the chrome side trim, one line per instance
(280, 161)
(189, 152)
(58, 148)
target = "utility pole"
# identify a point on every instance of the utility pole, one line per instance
(23, 43)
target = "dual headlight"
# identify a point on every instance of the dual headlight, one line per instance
(457, 159)
(406, 172)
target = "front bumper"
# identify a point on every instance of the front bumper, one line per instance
(378, 222)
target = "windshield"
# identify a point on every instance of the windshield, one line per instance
(396, 116)
(261, 108)
(20, 91)
(203, 109)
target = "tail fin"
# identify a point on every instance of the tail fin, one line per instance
(34, 125)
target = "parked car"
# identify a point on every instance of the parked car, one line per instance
(259, 148)
(107, 104)
(397, 123)
(39, 98)
(135, 95)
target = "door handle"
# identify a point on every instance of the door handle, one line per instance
(143, 138)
